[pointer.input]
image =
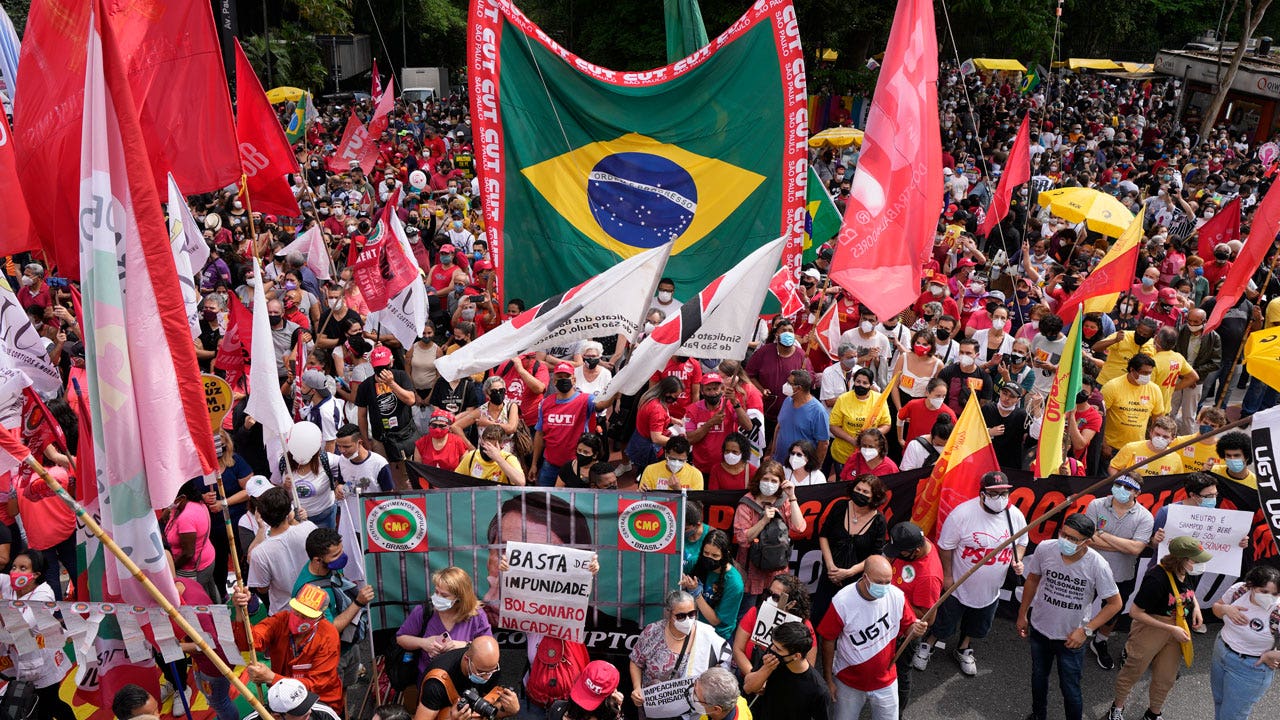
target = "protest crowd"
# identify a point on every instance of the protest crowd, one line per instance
(831, 393)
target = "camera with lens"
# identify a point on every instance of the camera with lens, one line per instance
(471, 699)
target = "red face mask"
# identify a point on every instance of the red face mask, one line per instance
(920, 350)
(299, 625)
(437, 432)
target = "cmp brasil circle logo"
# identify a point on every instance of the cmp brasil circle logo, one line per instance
(646, 526)
(397, 525)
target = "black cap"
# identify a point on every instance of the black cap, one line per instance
(905, 537)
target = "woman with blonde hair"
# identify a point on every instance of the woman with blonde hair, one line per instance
(449, 620)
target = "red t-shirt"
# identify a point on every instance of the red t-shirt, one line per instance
(857, 465)
(652, 418)
(690, 374)
(721, 479)
(1088, 419)
(441, 276)
(706, 452)
(446, 457)
(47, 519)
(562, 423)
(530, 402)
(748, 621)
(920, 580)
(1213, 272)
(919, 418)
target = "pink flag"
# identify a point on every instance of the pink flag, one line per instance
(1221, 228)
(12, 452)
(382, 114)
(893, 208)
(311, 245)
(377, 81)
(1017, 170)
(355, 147)
(1262, 234)
(150, 422)
(783, 286)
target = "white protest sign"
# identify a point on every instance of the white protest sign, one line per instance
(546, 590)
(1219, 532)
(768, 618)
(668, 699)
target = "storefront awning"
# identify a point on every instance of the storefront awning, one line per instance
(1133, 67)
(988, 64)
(1090, 64)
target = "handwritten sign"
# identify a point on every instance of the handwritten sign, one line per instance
(546, 590)
(1219, 532)
(217, 397)
(767, 618)
(668, 699)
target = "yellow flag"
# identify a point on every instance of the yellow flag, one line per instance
(1122, 256)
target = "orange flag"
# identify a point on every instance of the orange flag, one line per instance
(967, 456)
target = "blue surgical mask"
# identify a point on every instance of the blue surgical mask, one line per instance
(338, 564)
(1066, 547)
(787, 339)
(876, 590)
(1205, 428)
(1121, 493)
(1148, 282)
(476, 679)
(1235, 465)
(1208, 502)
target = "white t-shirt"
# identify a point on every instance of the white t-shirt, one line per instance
(815, 477)
(916, 453)
(970, 532)
(834, 382)
(275, 563)
(51, 664)
(314, 491)
(1256, 636)
(879, 369)
(1066, 591)
(592, 387)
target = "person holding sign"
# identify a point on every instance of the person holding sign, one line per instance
(787, 683)
(715, 584)
(786, 600)
(1164, 611)
(1247, 653)
(669, 655)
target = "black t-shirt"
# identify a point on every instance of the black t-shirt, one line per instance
(1156, 597)
(796, 696)
(433, 695)
(337, 328)
(1008, 446)
(569, 476)
(387, 413)
(464, 396)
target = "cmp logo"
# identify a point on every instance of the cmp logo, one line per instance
(397, 525)
(646, 526)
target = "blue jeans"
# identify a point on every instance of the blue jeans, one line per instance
(1259, 396)
(547, 474)
(1237, 683)
(217, 690)
(1070, 670)
(326, 518)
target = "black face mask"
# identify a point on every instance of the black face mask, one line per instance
(712, 400)
(859, 499)
(275, 319)
(704, 567)
(591, 362)
(564, 385)
(861, 391)
(992, 307)
(496, 396)
(942, 333)
(670, 399)
(1221, 257)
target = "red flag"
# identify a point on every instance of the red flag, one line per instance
(12, 452)
(827, 331)
(382, 113)
(1017, 170)
(377, 81)
(299, 364)
(173, 58)
(237, 341)
(1221, 228)
(893, 208)
(783, 286)
(265, 155)
(1262, 234)
(355, 146)
(14, 217)
(381, 268)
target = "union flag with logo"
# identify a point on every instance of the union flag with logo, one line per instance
(581, 166)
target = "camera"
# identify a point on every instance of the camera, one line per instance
(478, 705)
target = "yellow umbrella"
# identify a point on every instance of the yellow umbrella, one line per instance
(284, 93)
(837, 137)
(1098, 210)
(1262, 356)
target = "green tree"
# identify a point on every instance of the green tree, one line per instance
(295, 58)
(17, 10)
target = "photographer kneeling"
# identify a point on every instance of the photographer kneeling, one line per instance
(463, 685)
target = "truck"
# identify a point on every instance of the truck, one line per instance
(415, 80)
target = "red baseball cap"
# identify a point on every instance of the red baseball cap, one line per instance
(482, 265)
(272, 218)
(380, 357)
(598, 681)
(711, 378)
(1168, 295)
(965, 262)
(447, 248)
(563, 367)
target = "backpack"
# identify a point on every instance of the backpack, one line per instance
(335, 478)
(557, 663)
(771, 549)
(928, 448)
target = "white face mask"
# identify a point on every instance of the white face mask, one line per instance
(769, 488)
(866, 326)
(998, 324)
(869, 454)
(648, 328)
(797, 461)
(1144, 379)
(967, 361)
(732, 458)
(787, 389)
(935, 290)
(684, 627)
(441, 603)
(1010, 407)
(996, 504)
(1159, 442)
(664, 296)
(675, 466)
(933, 403)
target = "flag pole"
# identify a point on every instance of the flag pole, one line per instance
(1059, 508)
(235, 566)
(1226, 386)
(195, 635)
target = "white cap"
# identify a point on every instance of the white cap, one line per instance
(290, 697)
(257, 485)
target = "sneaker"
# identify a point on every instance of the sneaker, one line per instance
(179, 709)
(1103, 653)
(1200, 629)
(1114, 713)
(923, 653)
(968, 665)
(1148, 715)
(166, 692)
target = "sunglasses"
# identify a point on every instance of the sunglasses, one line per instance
(685, 615)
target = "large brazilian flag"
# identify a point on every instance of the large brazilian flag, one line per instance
(581, 166)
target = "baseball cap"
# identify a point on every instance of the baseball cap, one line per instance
(710, 378)
(947, 171)
(380, 357)
(257, 485)
(313, 379)
(1168, 295)
(996, 295)
(448, 248)
(442, 414)
(996, 480)
(564, 368)
(965, 262)
(272, 218)
(1014, 388)
(598, 681)
(1185, 546)
(813, 273)
(310, 601)
(904, 537)
(1130, 481)
(482, 265)
(290, 697)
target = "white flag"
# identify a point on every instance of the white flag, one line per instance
(405, 315)
(612, 302)
(718, 323)
(190, 252)
(23, 348)
(311, 246)
(266, 404)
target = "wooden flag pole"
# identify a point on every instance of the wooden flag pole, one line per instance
(235, 566)
(1059, 509)
(193, 633)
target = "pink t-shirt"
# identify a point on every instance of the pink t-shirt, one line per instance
(194, 518)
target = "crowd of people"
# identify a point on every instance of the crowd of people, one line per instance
(786, 415)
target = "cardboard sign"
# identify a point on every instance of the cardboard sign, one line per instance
(546, 590)
(767, 618)
(217, 396)
(1219, 532)
(668, 699)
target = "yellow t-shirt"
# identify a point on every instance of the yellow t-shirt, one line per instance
(850, 414)
(1200, 456)
(1249, 481)
(1273, 313)
(658, 477)
(1136, 452)
(474, 464)
(1129, 407)
(1118, 356)
(744, 710)
(1170, 368)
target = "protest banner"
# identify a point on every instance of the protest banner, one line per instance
(769, 617)
(546, 589)
(668, 699)
(396, 525)
(217, 397)
(1219, 531)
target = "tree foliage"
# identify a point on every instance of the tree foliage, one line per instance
(295, 59)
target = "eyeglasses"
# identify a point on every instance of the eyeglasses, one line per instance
(772, 596)
(1073, 538)
(685, 615)
(438, 425)
(483, 673)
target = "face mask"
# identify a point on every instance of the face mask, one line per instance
(209, 315)
(934, 403)
(437, 432)
(1221, 257)
(876, 590)
(591, 362)
(869, 454)
(564, 385)
(967, 361)
(648, 328)
(998, 324)
(1066, 547)
(1197, 569)
(942, 333)
(848, 363)
(468, 314)
(921, 350)
(21, 580)
(992, 307)
(446, 259)
(664, 296)
(338, 564)
(866, 326)
(797, 461)
(787, 389)
(1160, 443)
(275, 319)
(669, 399)
(476, 679)
(299, 625)
(1121, 494)
(441, 603)
(496, 396)
(861, 391)
(769, 488)
(860, 500)
(935, 290)
(976, 287)
(732, 458)
(1208, 502)
(1008, 408)
(787, 339)
(675, 466)
(1199, 271)
(1148, 282)
(684, 627)
(996, 504)
(1235, 465)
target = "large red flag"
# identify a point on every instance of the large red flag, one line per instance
(176, 74)
(1262, 234)
(265, 155)
(356, 146)
(381, 268)
(893, 208)
(1221, 228)
(377, 81)
(382, 113)
(14, 217)
(1017, 170)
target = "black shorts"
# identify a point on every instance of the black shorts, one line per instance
(397, 447)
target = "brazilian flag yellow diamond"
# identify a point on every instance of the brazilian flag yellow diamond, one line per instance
(635, 193)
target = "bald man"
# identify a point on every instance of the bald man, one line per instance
(473, 667)
(859, 634)
(1203, 349)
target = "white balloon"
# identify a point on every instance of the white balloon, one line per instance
(417, 179)
(304, 441)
